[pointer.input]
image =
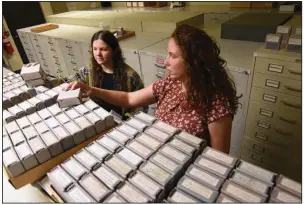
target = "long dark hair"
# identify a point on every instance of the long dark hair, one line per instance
(206, 69)
(117, 59)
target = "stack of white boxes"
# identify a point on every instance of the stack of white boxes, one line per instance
(40, 129)
(15, 90)
(146, 160)
(140, 160)
(33, 75)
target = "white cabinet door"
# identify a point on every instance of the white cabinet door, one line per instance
(41, 56)
(85, 52)
(152, 68)
(72, 54)
(132, 59)
(52, 54)
(27, 46)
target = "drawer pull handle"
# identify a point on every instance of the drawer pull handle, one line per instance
(159, 66)
(258, 148)
(298, 106)
(298, 60)
(256, 158)
(294, 72)
(287, 120)
(283, 132)
(292, 88)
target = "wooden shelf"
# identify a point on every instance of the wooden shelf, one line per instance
(44, 28)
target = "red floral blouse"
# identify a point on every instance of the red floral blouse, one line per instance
(173, 108)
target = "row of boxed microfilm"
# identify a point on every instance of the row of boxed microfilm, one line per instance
(15, 90)
(215, 176)
(283, 34)
(37, 137)
(41, 97)
(141, 160)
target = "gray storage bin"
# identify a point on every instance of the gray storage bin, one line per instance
(40, 150)
(26, 156)
(12, 163)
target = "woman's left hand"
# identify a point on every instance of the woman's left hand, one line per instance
(85, 89)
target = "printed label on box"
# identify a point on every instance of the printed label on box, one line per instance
(213, 181)
(213, 166)
(165, 162)
(241, 194)
(219, 156)
(155, 172)
(174, 153)
(132, 194)
(197, 188)
(143, 183)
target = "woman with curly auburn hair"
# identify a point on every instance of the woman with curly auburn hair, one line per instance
(197, 96)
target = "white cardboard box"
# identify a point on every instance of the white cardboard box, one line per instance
(32, 72)
(69, 98)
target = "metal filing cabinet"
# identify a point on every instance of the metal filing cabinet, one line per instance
(132, 46)
(273, 132)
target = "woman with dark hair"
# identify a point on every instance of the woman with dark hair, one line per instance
(107, 70)
(197, 96)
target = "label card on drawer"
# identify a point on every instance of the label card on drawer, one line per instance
(272, 83)
(270, 98)
(266, 113)
(275, 68)
(261, 136)
(263, 125)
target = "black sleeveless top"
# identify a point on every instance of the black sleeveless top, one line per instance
(108, 83)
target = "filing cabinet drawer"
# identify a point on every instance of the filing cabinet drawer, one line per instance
(275, 99)
(270, 112)
(290, 167)
(289, 133)
(276, 154)
(276, 140)
(261, 161)
(277, 118)
(274, 67)
(279, 84)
